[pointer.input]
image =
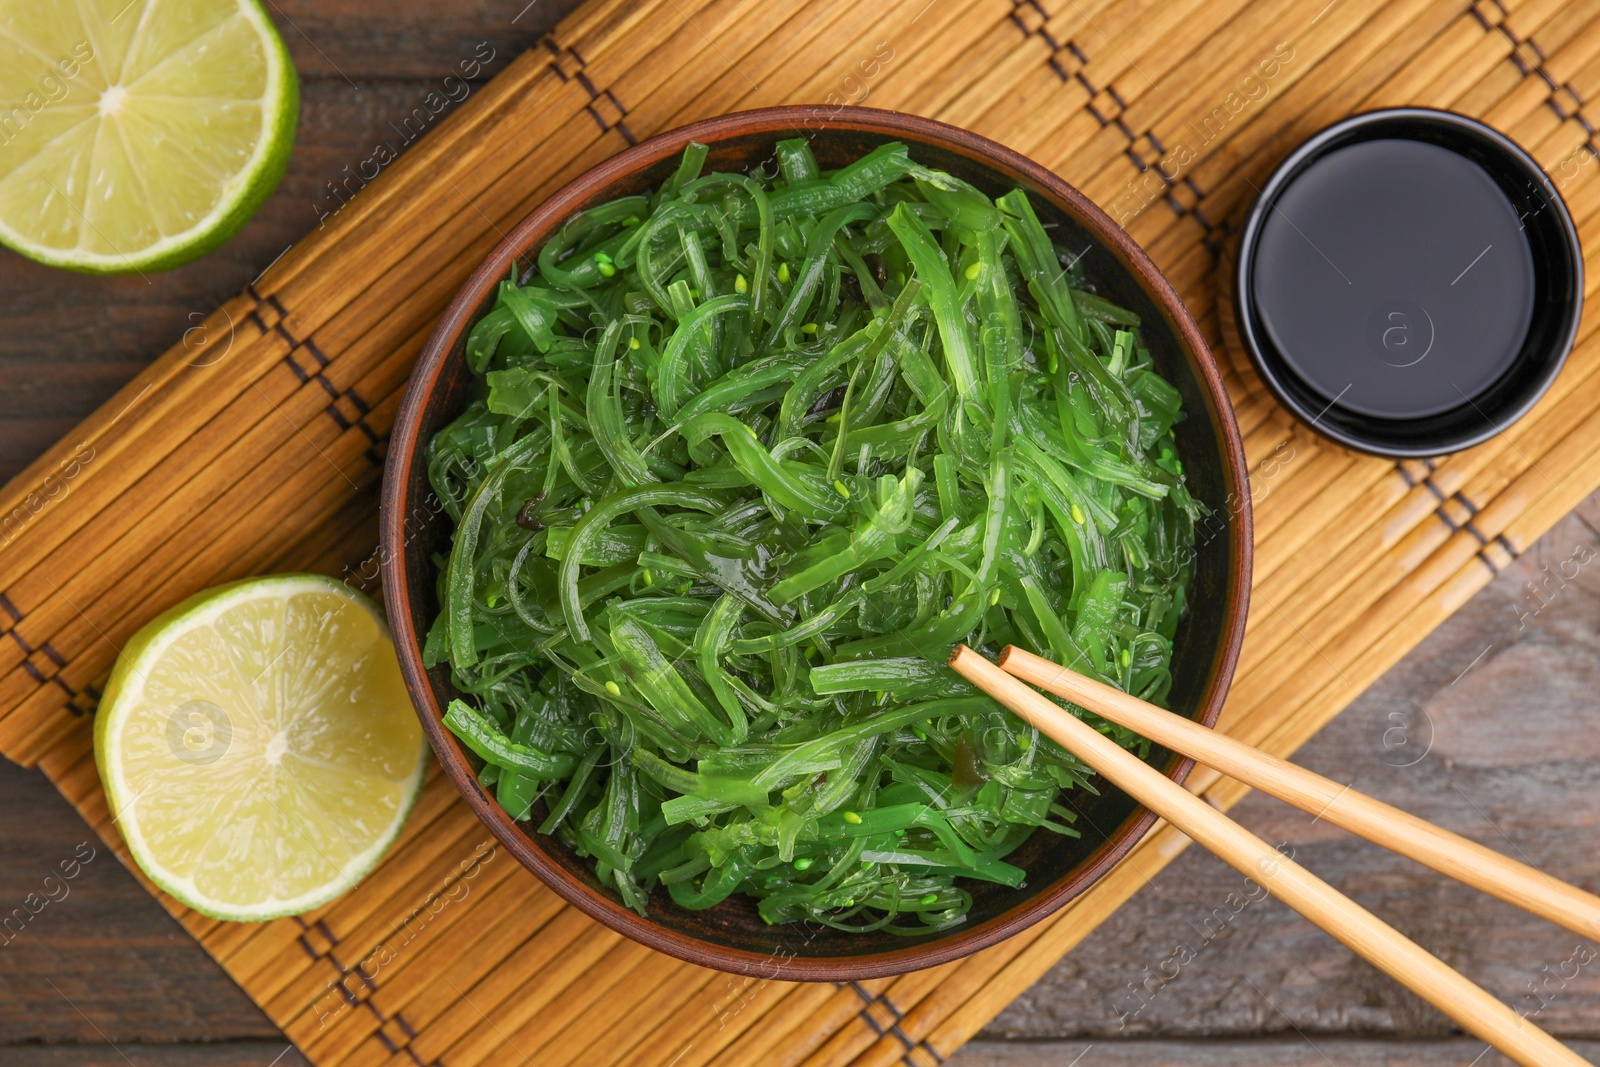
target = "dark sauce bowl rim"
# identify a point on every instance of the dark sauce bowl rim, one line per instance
(1275, 371)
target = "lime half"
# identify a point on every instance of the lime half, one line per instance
(137, 134)
(258, 748)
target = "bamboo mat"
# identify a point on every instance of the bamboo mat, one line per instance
(257, 446)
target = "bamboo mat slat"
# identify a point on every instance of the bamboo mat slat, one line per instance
(258, 444)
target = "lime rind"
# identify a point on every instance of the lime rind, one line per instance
(138, 657)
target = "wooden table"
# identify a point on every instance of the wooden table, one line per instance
(1503, 692)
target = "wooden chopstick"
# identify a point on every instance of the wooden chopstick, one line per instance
(1358, 929)
(1448, 853)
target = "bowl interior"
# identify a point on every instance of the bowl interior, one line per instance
(732, 935)
(1557, 301)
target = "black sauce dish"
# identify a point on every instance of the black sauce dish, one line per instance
(1408, 282)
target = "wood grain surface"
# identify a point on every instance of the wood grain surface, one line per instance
(1487, 728)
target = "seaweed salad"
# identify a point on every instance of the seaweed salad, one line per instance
(746, 457)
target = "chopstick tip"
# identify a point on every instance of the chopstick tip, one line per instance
(955, 654)
(1005, 654)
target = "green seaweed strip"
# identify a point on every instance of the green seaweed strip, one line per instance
(749, 455)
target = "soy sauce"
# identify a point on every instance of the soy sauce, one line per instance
(1395, 279)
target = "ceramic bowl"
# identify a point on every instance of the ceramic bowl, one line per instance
(731, 936)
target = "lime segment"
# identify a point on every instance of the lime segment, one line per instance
(258, 748)
(140, 133)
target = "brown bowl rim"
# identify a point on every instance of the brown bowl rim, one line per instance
(396, 505)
